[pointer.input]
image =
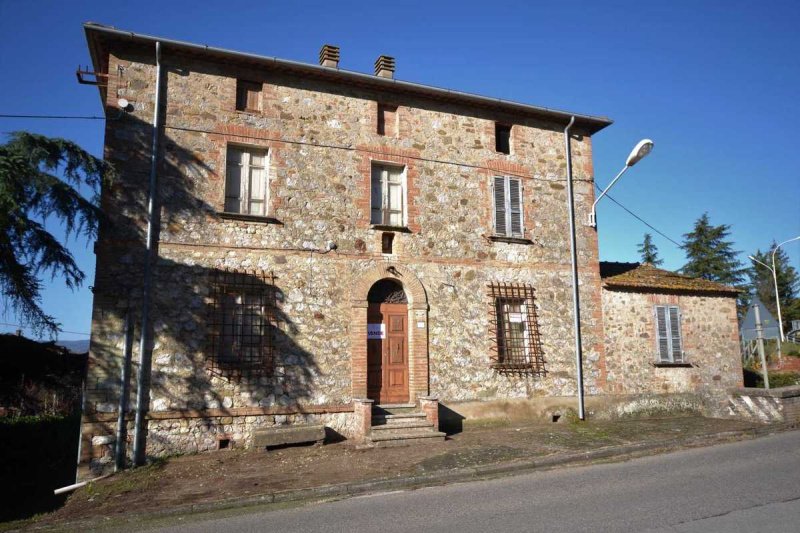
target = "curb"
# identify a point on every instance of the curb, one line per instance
(461, 475)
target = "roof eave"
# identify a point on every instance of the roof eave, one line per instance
(588, 123)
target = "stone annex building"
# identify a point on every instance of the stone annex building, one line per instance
(329, 237)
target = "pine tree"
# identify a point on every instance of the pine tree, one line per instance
(763, 285)
(649, 252)
(710, 255)
(40, 178)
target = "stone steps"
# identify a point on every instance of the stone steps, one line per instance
(401, 429)
(401, 425)
(406, 439)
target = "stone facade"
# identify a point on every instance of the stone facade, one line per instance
(710, 336)
(319, 130)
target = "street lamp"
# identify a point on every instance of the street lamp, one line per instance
(775, 280)
(639, 152)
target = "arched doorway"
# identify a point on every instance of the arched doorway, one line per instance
(387, 343)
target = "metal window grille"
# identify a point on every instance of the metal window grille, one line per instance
(241, 324)
(517, 345)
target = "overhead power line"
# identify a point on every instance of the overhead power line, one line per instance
(352, 149)
(640, 219)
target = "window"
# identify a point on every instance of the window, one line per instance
(248, 95)
(669, 344)
(388, 195)
(242, 320)
(508, 207)
(246, 181)
(516, 342)
(502, 138)
(387, 120)
(386, 243)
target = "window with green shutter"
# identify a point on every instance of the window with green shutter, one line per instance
(508, 206)
(669, 344)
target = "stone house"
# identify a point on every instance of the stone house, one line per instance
(329, 237)
(668, 333)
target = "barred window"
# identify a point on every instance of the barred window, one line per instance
(242, 322)
(517, 346)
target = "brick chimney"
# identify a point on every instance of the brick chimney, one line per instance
(329, 56)
(384, 67)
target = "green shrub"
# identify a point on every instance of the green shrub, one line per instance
(776, 379)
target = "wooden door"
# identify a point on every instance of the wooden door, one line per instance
(387, 353)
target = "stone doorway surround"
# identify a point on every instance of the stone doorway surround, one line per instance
(418, 377)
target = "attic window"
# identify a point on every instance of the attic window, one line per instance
(387, 120)
(502, 138)
(248, 96)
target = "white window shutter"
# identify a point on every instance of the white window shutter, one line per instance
(515, 206)
(676, 345)
(500, 219)
(662, 334)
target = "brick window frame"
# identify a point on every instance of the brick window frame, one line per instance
(253, 158)
(385, 176)
(381, 154)
(516, 346)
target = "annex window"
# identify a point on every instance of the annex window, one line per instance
(502, 138)
(669, 343)
(388, 195)
(387, 120)
(517, 347)
(246, 181)
(508, 206)
(248, 95)
(242, 322)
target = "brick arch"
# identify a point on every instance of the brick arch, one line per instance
(417, 329)
(415, 292)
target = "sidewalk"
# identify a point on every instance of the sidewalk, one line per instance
(237, 478)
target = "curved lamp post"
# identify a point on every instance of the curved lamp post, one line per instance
(639, 152)
(775, 280)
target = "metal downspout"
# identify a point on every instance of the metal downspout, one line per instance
(125, 393)
(575, 292)
(145, 345)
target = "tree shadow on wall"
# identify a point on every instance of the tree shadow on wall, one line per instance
(220, 339)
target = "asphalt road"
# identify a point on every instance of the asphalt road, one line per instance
(745, 486)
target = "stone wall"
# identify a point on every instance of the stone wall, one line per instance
(321, 138)
(768, 406)
(710, 340)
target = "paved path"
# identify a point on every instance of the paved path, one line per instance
(746, 486)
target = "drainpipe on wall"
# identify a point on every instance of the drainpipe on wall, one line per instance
(145, 345)
(574, 254)
(125, 393)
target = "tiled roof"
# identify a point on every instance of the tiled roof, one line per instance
(646, 276)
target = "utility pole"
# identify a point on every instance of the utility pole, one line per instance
(760, 344)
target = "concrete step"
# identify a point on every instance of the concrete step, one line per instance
(381, 419)
(404, 428)
(394, 409)
(407, 439)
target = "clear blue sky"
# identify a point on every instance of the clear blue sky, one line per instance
(714, 84)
